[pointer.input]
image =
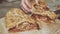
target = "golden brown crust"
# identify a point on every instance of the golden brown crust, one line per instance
(42, 12)
(42, 9)
(23, 27)
(16, 16)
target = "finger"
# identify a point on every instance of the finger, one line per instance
(27, 2)
(24, 7)
(22, 1)
(37, 2)
(26, 10)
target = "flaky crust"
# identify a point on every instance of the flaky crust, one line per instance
(16, 16)
(42, 9)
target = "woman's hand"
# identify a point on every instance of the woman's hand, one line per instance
(26, 5)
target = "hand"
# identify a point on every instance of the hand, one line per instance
(26, 5)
